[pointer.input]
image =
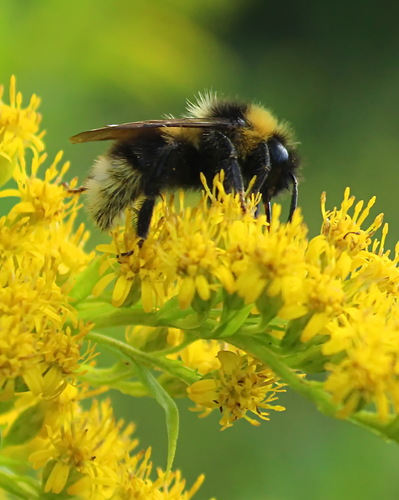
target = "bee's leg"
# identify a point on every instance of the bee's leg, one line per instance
(293, 204)
(222, 152)
(261, 166)
(78, 190)
(268, 210)
(164, 162)
(146, 210)
(143, 223)
(144, 218)
(238, 182)
(294, 197)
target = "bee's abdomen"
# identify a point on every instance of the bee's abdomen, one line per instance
(112, 186)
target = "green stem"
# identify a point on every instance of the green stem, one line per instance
(170, 366)
(313, 390)
(19, 486)
(134, 389)
(370, 421)
(105, 315)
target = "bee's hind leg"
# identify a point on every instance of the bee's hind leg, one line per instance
(144, 218)
(143, 223)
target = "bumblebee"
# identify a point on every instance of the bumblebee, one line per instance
(151, 157)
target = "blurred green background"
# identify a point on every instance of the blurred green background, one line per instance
(332, 70)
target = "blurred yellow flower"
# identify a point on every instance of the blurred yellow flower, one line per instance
(87, 445)
(134, 481)
(19, 129)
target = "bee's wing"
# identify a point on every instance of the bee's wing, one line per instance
(136, 129)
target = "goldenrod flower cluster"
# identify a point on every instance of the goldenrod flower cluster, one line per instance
(77, 453)
(219, 306)
(326, 304)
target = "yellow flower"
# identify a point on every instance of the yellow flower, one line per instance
(201, 355)
(82, 453)
(368, 372)
(344, 231)
(135, 483)
(324, 294)
(336, 262)
(35, 344)
(19, 129)
(182, 256)
(194, 253)
(42, 200)
(190, 252)
(88, 454)
(364, 350)
(42, 223)
(134, 268)
(88, 445)
(376, 268)
(242, 384)
(267, 261)
(40, 336)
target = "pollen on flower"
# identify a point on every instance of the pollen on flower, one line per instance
(241, 385)
(180, 256)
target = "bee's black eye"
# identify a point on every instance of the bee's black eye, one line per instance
(278, 153)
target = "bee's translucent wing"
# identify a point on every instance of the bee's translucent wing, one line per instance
(136, 129)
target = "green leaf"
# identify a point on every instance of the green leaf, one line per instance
(293, 333)
(6, 406)
(170, 408)
(85, 281)
(25, 427)
(268, 307)
(234, 322)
